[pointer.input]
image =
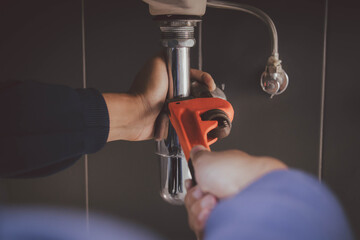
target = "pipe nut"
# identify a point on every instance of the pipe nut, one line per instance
(178, 43)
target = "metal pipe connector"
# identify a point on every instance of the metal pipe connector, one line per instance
(177, 36)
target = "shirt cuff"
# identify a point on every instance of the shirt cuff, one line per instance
(96, 119)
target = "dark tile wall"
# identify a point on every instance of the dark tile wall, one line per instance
(342, 107)
(42, 40)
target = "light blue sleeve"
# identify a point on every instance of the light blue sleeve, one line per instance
(284, 204)
(42, 223)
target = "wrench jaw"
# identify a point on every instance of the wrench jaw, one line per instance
(224, 124)
(200, 121)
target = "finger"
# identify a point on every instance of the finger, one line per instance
(206, 202)
(197, 151)
(193, 195)
(188, 184)
(197, 222)
(203, 77)
(161, 127)
(200, 154)
(203, 217)
(200, 211)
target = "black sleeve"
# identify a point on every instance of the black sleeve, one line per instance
(45, 128)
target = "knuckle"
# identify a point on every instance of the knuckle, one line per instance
(206, 74)
(196, 208)
(187, 200)
(235, 152)
(193, 209)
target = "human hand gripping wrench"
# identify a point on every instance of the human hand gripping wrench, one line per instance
(200, 121)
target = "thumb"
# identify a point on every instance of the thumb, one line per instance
(202, 160)
(200, 157)
(197, 151)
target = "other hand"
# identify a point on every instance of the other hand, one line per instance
(221, 175)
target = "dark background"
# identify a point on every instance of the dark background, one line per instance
(41, 40)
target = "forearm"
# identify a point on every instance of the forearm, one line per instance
(123, 112)
(281, 205)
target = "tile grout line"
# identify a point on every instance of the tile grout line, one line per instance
(322, 107)
(84, 86)
(200, 57)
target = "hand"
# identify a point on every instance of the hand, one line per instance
(198, 205)
(133, 115)
(226, 173)
(221, 175)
